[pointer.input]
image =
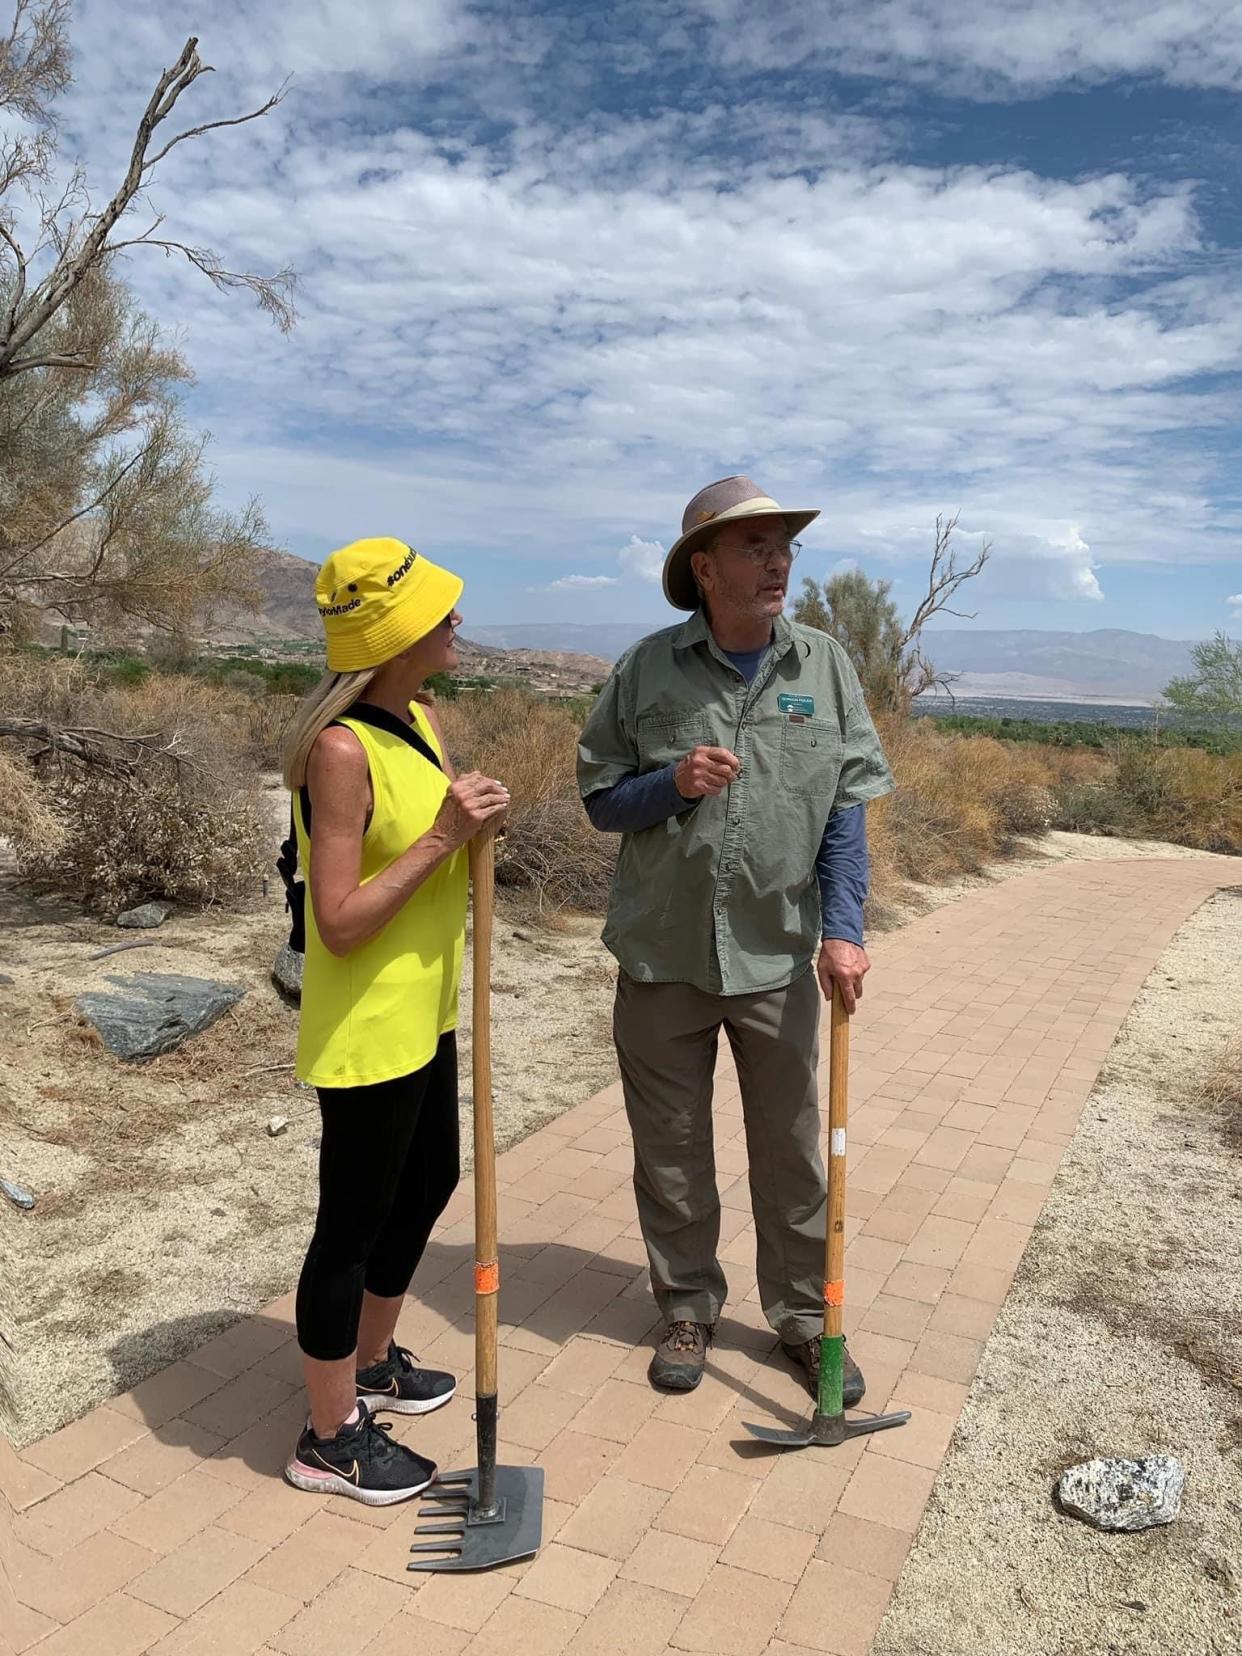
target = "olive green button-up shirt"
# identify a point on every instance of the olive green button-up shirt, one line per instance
(724, 895)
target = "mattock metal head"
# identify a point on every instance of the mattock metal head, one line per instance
(826, 1431)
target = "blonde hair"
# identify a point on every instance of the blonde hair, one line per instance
(327, 701)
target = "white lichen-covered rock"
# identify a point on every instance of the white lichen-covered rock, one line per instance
(1124, 1494)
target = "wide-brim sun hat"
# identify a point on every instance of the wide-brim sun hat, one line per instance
(377, 597)
(722, 502)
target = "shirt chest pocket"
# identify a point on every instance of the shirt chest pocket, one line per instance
(811, 755)
(665, 738)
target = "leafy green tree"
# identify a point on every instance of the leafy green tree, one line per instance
(864, 619)
(1214, 690)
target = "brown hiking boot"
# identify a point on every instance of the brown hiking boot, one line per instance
(679, 1358)
(805, 1358)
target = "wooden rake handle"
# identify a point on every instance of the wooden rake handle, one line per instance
(486, 1263)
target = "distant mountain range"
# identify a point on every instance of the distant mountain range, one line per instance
(1105, 665)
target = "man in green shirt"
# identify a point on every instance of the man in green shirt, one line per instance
(734, 753)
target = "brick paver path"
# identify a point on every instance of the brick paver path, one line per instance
(159, 1522)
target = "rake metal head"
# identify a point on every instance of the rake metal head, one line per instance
(470, 1539)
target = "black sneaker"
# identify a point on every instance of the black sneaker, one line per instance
(361, 1461)
(679, 1358)
(805, 1358)
(397, 1387)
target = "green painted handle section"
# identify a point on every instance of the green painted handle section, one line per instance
(831, 1365)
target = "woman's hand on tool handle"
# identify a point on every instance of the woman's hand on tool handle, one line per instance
(474, 802)
(843, 963)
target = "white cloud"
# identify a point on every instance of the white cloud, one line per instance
(643, 559)
(1055, 565)
(547, 342)
(1235, 606)
(990, 48)
(577, 583)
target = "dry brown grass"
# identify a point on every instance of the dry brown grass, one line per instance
(960, 802)
(188, 823)
(549, 849)
(1222, 1089)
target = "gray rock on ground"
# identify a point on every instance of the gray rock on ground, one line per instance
(146, 914)
(1124, 1494)
(155, 1011)
(287, 973)
(17, 1194)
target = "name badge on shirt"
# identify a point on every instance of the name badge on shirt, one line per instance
(804, 705)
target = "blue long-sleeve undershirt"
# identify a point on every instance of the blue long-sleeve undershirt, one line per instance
(842, 865)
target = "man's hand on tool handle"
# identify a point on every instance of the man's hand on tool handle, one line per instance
(706, 771)
(473, 803)
(843, 963)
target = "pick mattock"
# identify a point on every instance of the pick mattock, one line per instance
(491, 1514)
(829, 1426)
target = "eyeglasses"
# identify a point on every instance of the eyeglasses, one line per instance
(762, 552)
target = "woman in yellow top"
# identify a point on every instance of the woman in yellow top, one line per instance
(382, 823)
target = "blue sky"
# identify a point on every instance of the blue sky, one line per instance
(561, 266)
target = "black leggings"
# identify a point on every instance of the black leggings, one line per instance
(389, 1160)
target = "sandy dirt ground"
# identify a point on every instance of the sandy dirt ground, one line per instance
(165, 1211)
(1122, 1334)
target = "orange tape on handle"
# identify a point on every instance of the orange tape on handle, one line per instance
(834, 1293)
(487, 1276)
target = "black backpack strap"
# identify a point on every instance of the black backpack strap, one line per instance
(295, 889)
(287, 862)
(381, 719)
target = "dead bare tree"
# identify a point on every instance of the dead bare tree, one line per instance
(115, 754)
(944, 578)
(861, 615)
(34, 67)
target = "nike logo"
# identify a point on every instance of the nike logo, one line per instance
(353, 1474)
(392, 1387)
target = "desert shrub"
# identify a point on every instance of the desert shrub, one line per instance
(1222, 1089)
(960, 800)
(169, 806)
(1184, 795)
(1091, 808)
(264, 720)
(1093, 733)
(530, 744)
(128, 669)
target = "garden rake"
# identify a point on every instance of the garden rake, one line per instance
(828, 1426)
(490, 1514)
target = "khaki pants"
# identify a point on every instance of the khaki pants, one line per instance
(666, 1036)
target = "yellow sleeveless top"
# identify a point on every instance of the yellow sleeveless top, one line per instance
(378, 1012)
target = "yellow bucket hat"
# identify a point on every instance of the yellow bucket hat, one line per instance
(376, 597)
